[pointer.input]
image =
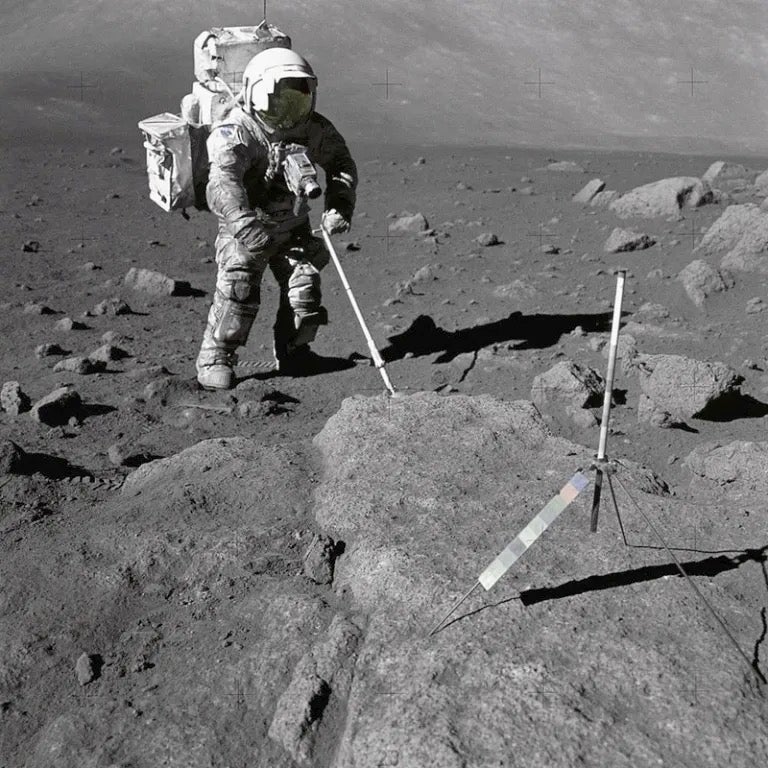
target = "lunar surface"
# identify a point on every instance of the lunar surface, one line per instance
(249, 578)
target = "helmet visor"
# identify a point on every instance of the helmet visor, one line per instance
(290, 104)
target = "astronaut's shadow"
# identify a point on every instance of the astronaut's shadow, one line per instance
(538, 331)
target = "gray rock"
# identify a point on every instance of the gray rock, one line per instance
(82, 365)
(517, 290)
(147, 372)
(155, 283)
(724, 175)
(487, 239)
(168, 389)
(86, 669)
(627, 240)
(319, 560)
(626, 352)
(111, 306)
(567, 166)
(48, 350)
(750, 254)
(755, 305)
(255, 389)
(11, 457)
(57, 407)
(761, 183)
(408, 222)
(681, 388)
(36, 308)
(13, 399)
(700, 280)
(255, 408)
(106, 353)
(403, 569)
(125, 454)
(113, 337)
(324, 672)
(730, 228)
(665, 197)
(567, 384)
(586, 193)
(604, 198)
(68, 324)
(426, 273)
(740, 465)
(30, 246)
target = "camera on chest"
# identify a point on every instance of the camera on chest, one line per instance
(298, 172)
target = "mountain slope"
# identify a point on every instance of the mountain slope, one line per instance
(611, 71)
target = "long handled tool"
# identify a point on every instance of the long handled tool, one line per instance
(607, 399)
(377, 358)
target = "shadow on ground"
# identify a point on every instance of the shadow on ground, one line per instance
(423, 337)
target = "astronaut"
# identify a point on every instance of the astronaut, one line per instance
(261, 221)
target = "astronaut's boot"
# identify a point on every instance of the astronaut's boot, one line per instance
(293, 335)
(229, 323)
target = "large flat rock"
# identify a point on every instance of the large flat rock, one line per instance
(582, 636)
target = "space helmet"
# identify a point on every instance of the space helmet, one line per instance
(279, 89)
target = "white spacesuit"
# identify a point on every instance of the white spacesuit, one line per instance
(261, 222)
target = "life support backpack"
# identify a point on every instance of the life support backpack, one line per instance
(177, 158)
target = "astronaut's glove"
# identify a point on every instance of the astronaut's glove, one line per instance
(334, 223)
(254, 237)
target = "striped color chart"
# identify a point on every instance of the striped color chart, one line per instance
(512, 552)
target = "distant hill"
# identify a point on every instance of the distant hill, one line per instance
(611, 71)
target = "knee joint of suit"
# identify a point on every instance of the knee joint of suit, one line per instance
(238, 311)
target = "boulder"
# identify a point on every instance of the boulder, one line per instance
(409, 222)
(68, 324)
(82, 365)
(750, 254)
(569, 387)
(155, 283)
(86, 668)
(603, 198)
(57, 407)
(663, 198)
(587, 192)
(13, 399)
(487, 239)
(107, 353)
(761, 183)
(740, 236)
(701, 280)
(740, 465)
(49, 350)
(627, 240)
(729, 177)
(12, 457)
(626, 352)
(111, 306)
(319, 560)
(725, 233)
(425, 500)
(566, 166)
(677, 388)
(517, 290)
